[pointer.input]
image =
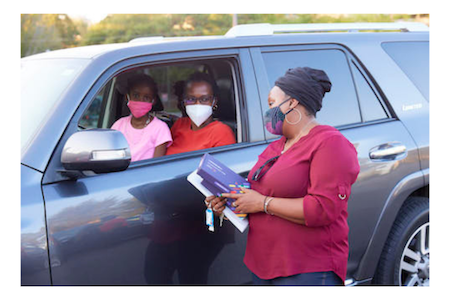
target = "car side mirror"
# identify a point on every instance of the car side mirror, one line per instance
(97, 150)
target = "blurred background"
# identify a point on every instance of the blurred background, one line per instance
(46, 32)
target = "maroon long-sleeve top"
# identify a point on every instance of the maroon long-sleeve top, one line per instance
(320, 168)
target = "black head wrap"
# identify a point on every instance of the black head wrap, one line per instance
(306, 85)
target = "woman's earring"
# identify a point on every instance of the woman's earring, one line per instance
(214, 106)
(299, 117)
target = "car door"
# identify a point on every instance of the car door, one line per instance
(146, 225)
(358, 110)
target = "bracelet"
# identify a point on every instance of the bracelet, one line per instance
(266, 205)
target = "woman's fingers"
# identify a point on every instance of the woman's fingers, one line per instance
(218, 205)
(213, 200)
(236, 205)
(219, 210)
(233, 196)
(208, 200)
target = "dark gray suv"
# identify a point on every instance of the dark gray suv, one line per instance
(90, 217)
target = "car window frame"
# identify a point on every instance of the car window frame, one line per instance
(106, 94)
(385, 108)
(52, 173)
(264, 86)
(392, 116)
(230, 61)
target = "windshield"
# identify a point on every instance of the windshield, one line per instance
(42, 83)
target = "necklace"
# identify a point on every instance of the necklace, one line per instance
(148, 120)
(300, 135)
(139, 125)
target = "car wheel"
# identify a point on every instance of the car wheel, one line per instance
(406, 254)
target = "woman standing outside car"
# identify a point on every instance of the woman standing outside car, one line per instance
(297, 207)
(199, 130)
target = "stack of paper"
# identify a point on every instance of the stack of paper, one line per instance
(214, 178)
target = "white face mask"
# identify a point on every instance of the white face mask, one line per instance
(198, 113)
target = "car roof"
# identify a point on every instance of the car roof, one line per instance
(93, 51)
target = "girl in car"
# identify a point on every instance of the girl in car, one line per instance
(199, 130)
(147, 136)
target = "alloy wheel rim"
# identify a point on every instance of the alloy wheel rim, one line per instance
(414, 267)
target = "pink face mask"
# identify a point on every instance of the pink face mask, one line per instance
(138, 108)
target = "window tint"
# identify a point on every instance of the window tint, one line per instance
(91, 116)
(340, 105)
(371, 107)
(413, 59)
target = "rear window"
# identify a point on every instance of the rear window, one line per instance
(340, 105)
(413, 59)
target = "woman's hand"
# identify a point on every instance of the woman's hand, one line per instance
(217, 204)
(249, 202)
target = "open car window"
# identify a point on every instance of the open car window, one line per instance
(110, 104)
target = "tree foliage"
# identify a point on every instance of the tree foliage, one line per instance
(49, 32)
(43, 32)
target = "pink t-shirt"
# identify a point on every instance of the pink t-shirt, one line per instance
(143, 141)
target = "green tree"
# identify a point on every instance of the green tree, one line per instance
(42, 32)
(50, 32)
(123, 28)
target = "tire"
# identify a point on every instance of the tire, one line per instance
(405, 257)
